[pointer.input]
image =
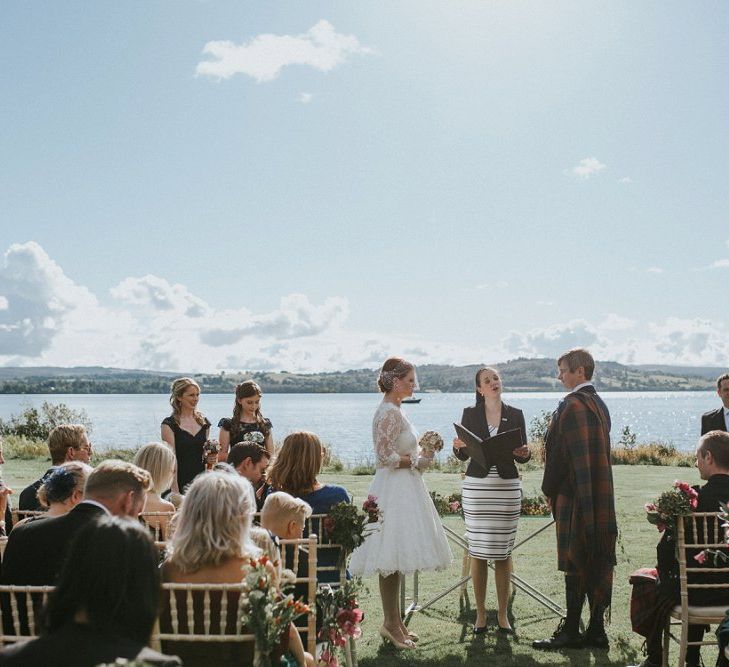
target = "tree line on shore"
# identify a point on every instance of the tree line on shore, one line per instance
(518, 374)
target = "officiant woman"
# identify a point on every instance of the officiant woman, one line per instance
(491, 496)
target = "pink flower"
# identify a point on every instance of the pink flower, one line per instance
(700, 557)
(455, 506)
(353, 616)
(650, 507)
(694, 502)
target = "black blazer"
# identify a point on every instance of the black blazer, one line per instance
(474, 419)
(35, 551)
(713, 421)
(76, 645)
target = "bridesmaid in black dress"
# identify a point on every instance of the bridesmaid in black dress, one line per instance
(186, 430)
(248, 423)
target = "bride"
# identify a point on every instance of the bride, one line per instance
(411, 536)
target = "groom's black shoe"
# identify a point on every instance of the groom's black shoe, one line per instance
(596, 639)
(562, 638)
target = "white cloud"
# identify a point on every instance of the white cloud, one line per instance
(614, 322)
(38, 299)
(654, 269)
(720, 264)
(625, 179)
(147, 322)
(551, 341)
(160, 295)
(263, 57)
(588, 167)
(305, 98)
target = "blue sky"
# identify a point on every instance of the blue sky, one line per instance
(226, 185)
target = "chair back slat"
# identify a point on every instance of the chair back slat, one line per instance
(20, 605)
(307, 546)
(158, 523)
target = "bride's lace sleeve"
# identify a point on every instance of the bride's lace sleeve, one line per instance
(386, 431)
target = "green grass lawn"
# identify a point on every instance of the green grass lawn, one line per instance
(444, 628)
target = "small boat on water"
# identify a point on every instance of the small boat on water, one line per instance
(411, 400)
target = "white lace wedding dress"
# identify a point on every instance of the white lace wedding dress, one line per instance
(411, 536)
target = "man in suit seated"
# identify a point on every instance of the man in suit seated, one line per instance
(35, 551)
(718, 420)
(712, 460)
(66, 442)
(250, 460)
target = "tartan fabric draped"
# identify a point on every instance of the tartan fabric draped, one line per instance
(578, 456)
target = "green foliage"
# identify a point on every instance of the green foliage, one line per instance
(24, 449)
(37, 424)
(654, 454)
(538, 427)
(535, 505)
(445, 505)
(627, 438)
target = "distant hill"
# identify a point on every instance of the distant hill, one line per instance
(518, 375)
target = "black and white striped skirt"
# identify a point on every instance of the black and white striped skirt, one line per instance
(491, 507)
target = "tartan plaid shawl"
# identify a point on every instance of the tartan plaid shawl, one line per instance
(585, 506)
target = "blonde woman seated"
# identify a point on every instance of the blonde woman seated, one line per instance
(62, 491)
(159, 461)
(210, 545)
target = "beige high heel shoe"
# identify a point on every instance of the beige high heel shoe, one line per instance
(386, 634)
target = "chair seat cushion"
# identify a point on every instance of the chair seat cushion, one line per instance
(703, 613)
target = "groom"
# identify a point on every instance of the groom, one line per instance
(578, 483)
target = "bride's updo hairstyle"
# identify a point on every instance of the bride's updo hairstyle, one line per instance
(484, 369)
(394, 367)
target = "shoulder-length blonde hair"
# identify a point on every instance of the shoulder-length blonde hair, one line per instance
(214, 522)
(176, 390)
(297, 463)
(159, 461)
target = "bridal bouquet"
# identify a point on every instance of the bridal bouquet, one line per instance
(210, 447)
(340, 618)
(348, 526)
(677, 501)
(430, 443)
(267, 612)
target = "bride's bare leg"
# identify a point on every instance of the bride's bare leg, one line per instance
(389, 593)
(502, 577)
(480, 577)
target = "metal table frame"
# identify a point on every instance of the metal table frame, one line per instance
(460, 541)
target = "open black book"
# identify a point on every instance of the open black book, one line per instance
(497, 449)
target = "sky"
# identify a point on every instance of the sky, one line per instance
(207, 185)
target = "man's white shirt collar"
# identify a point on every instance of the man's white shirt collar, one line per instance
(93, 502)
(579, 386)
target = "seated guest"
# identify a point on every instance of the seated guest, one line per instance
(712, 460)
(159, 461)
(284, 517)
(211, 545)
(294, 470)
(250, 460)
(66, 442)
(62, 491)
(105, 604)
(6, 517)
(35, 552)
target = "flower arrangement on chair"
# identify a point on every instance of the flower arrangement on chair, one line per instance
(678, 501)
(341, 618)
(348, 526)
(266, 611)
